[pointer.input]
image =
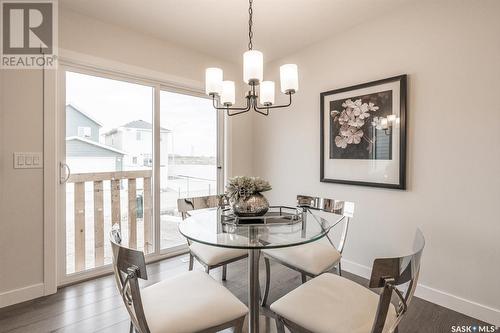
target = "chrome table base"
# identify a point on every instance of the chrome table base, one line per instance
(253, 291)
(266, 325)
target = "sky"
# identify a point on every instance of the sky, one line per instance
(113, 103)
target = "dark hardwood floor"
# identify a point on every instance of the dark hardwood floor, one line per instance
(95, 306)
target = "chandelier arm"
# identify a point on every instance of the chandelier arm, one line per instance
(246, 108)
(235, 113)
(261, 112)
(239, 110)
(275, 106)
(256, 108)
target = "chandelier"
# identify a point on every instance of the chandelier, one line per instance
(223, 92)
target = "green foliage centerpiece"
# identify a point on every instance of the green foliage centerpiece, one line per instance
(245, 195)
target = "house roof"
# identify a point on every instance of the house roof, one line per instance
(72, 106)
(96, 144)
(141, 124)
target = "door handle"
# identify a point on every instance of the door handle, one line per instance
(64, 176)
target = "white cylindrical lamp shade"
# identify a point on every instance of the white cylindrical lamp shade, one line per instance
(253, 66)
(213, 81)
(267, 93)
(384, 123)
(227, 97)
(289, 77)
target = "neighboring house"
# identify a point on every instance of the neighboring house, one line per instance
(136, 137)
(80, 124)
(84, 153)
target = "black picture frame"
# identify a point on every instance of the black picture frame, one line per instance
(401, 185)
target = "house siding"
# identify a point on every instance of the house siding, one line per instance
(75, 119)
(76, 148)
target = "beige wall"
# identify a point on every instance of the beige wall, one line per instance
(21, 129)
(21, 204)
(451, 52)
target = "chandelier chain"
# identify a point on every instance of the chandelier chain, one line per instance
(250, 24)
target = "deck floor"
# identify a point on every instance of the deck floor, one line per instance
(95, 306)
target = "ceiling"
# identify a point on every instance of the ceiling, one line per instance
(220, 27)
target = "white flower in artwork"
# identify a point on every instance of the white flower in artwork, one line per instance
(364, 111)
(341, 141)
(356, 122)
(355, 136)
(351, 119)
(372, 107)
(344, 118)
(344, 130)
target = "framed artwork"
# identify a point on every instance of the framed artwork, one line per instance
(363, 134)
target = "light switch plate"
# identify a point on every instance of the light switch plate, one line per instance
(29, 160)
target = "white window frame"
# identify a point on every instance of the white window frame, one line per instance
(158, 85)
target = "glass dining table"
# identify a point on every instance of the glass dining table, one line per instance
(280, 227)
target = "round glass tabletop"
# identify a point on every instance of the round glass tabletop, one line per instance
(280, 227)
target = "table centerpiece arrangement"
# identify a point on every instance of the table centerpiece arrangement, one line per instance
(245, 195)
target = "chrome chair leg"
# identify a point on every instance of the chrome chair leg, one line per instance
(131, 330)
(304, 278)
(238, 328)
(268, 282)
(339, 269)
(280, 327)
(191, 261)
(224, 272)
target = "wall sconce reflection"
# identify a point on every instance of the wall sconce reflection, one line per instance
(385, 123)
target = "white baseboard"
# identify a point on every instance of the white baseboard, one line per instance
(356, 269)
(459, 304)
(22, 294)
(447, 300)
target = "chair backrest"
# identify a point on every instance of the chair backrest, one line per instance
(185, 205)
(388, 273)
(338, 207)
(129, 266)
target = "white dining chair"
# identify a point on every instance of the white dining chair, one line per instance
(330, 303)
(189, 302)
(208, 256)
(314, 258)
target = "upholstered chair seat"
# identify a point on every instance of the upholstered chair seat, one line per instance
(313, 258)
(332, 304)
(215, 256)
(189, 302)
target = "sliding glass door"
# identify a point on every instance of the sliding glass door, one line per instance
(111, 172)
(188, 157)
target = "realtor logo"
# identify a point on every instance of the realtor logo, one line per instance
(28, 34)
